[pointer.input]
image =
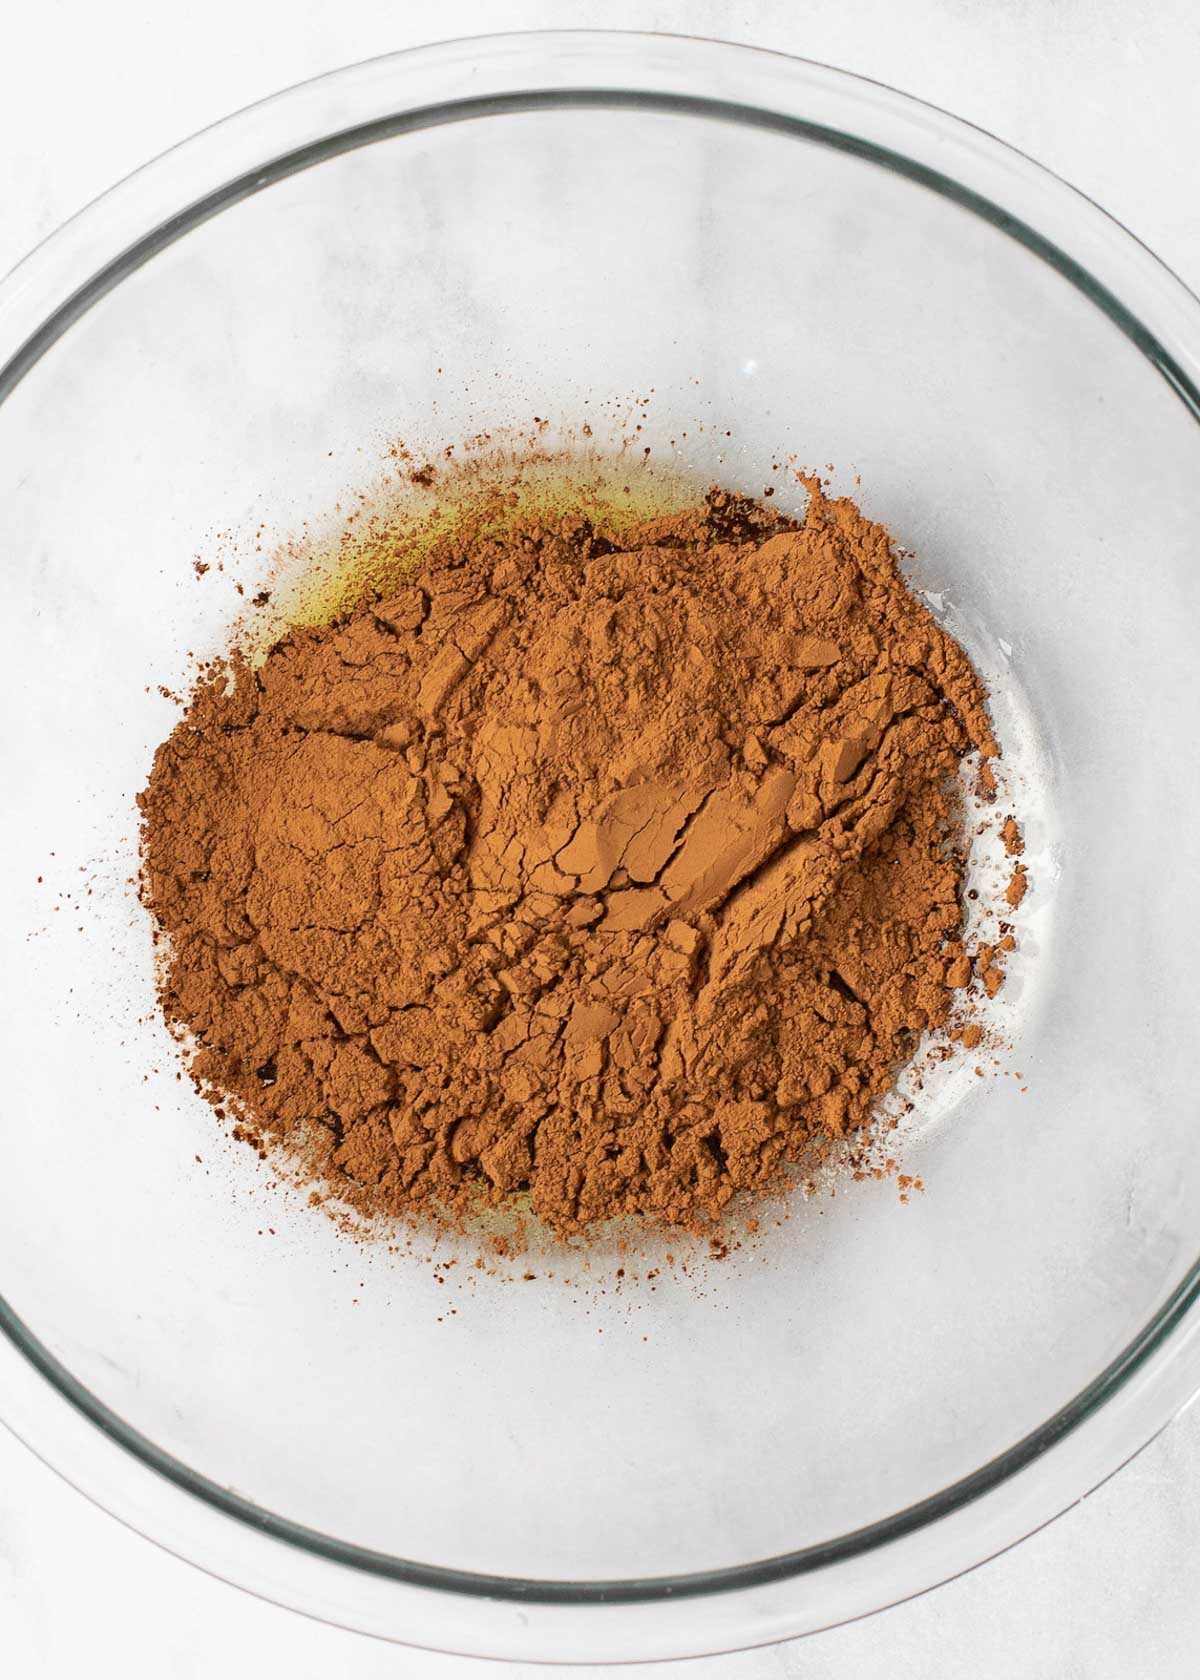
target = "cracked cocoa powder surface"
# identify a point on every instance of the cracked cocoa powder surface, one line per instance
(620, 876)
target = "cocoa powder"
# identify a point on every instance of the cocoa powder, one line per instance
(620, 874)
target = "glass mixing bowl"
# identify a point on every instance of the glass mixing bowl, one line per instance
(874, 1395)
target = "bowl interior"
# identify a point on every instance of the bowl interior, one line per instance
(742, 294)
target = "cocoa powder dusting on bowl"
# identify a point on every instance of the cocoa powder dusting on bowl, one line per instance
(618, 875)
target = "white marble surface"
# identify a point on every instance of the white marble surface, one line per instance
(1101, 90)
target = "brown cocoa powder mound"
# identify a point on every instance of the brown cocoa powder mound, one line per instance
(621, 876)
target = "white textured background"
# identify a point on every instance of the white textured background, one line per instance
(1104, 92)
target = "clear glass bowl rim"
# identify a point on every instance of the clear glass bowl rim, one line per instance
(409, 91)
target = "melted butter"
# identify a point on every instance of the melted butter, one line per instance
(386, 539)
